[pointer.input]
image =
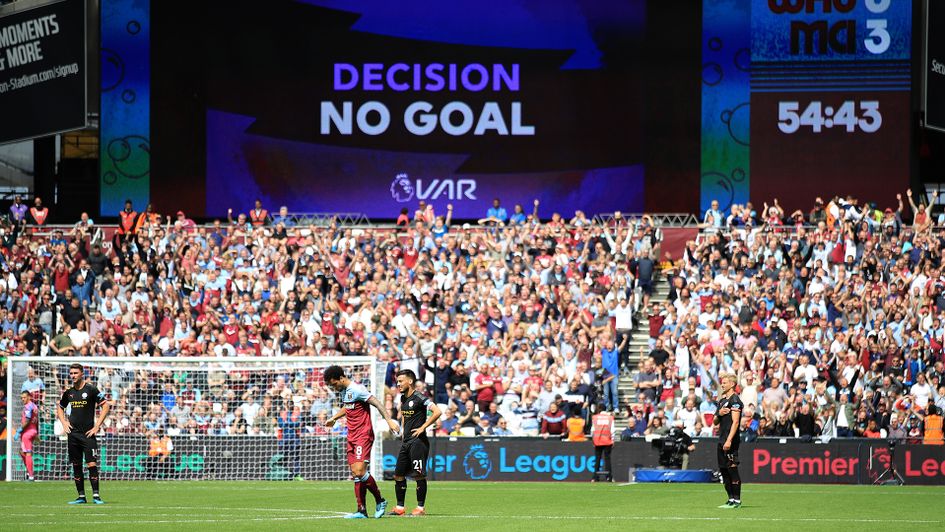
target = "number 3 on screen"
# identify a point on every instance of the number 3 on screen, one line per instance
(870, 110)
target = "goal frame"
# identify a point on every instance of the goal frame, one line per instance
(377, 386)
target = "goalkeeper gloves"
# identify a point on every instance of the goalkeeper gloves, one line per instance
(17, 435)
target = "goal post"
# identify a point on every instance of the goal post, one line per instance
(197, 418)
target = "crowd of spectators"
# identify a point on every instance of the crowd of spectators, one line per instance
(833, 320)
(193, 400)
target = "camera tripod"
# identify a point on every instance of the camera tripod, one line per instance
(890, 475)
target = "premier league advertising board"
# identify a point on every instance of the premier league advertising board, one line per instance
(201, 457)
(857, 461)
(496, 459)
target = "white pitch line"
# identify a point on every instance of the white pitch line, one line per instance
(184, 521)
(529, 517)
(157, 517)
(112, 509)
(685, 518)
(502, 486)
(119, 506)
(899, 490)
(126, 514)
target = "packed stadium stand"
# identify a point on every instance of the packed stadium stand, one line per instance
(472, 264)
(832, 318)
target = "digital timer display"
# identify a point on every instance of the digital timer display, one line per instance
(818, 116)
(830, 98)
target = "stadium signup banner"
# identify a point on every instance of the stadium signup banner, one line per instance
(935, 67)
(43, 70)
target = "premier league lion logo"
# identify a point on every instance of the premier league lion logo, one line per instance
(477, 463)
(401, 189)
(881, 457)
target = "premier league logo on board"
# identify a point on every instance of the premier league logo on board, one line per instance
(401, 189)
(477, 463)
(880, 455)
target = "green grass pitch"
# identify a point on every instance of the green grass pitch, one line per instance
(457, 506)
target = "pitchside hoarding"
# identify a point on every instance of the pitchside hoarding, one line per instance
(855, 461)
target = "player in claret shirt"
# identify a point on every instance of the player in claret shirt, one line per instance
(728, 418)
(415, 448)
(81, 427)
(356, 401)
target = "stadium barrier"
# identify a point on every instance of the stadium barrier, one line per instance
(674, 238)
(125, 457)
(848, 461)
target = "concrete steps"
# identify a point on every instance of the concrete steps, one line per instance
(640, 338)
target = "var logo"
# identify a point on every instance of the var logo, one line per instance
(403, 189)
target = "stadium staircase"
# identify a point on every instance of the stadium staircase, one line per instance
(639, 338)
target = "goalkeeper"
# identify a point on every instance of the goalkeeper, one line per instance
(28, 432)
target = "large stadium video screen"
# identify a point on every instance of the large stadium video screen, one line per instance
(373, 106)
(42, 70)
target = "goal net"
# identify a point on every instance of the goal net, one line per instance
(197, 418)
